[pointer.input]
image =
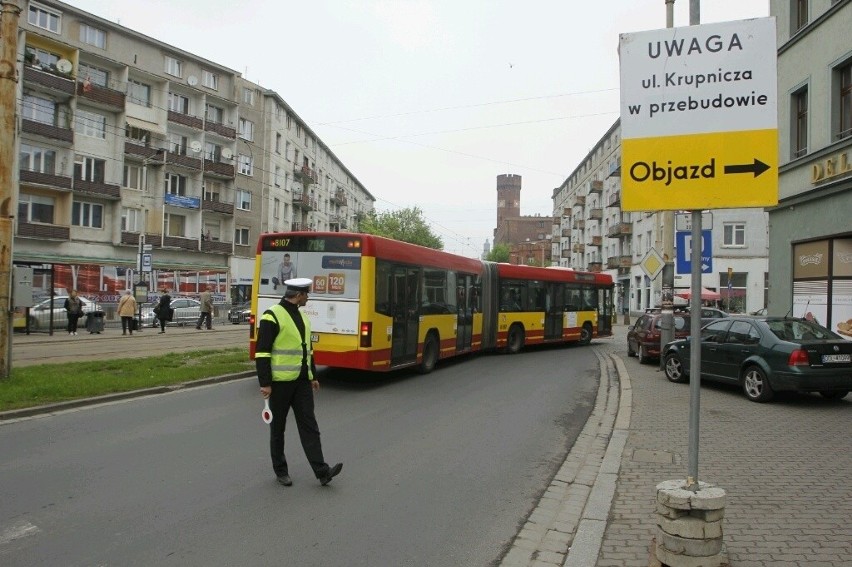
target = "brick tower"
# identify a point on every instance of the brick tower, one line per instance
(508, 197)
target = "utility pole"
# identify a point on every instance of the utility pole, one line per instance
(10, 11)
(667, 229)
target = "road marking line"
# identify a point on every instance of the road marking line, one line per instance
(18, 531)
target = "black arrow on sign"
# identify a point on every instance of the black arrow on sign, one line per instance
(757, 168)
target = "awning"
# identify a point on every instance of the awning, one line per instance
(145, 125)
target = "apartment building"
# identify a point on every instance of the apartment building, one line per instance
(810, 233)
(125, 141)
(592, 233)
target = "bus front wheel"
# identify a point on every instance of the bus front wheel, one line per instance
(515, 340)
(430, 355)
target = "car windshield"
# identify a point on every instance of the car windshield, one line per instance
(800, 330)
(680, 323)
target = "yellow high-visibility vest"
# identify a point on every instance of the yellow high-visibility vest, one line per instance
(287, 349)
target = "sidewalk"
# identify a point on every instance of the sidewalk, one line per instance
(783, 466)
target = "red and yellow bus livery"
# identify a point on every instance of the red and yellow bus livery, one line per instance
(378, 304)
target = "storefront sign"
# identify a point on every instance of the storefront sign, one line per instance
(832, 167)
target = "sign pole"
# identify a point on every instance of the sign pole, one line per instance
(694, 353)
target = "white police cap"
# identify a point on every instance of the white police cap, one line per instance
(299, 284)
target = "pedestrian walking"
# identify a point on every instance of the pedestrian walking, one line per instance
(206, 309)
(127, 310)
(163, 310)
(74, 310)
(285, 369)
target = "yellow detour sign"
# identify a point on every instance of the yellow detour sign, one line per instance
(699, 117)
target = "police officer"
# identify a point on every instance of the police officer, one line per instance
(285, 369)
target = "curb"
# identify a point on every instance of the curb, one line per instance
(82, 402)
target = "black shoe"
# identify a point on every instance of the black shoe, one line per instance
(332, 472)
(198, 328)
(285, 480)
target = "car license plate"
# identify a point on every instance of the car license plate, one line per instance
(314, 338)
(829, 358)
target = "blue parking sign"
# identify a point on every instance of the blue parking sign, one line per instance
(683, 244)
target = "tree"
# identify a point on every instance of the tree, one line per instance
(500, 253)
(406, 225)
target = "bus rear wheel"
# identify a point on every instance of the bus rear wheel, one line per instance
(515, 340)
(430, 355)
(586, 334)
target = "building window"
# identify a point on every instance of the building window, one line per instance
(33, 158)
(799, 137)
(244, 165)
(212, 190)
(243, 200)
(248, 96)
(89, 169)
(277, 177)
(138, 93)
(214, 114)
(41, 17)
(94, 75)
(90, 215)
(212, 152)
(845, 75)
(277, 143)
(734, 234)
(800, 15)
(174, 67)
(130, 219)
(36, 208)
(175, 184)
(175, 225)
(90, 124)
(133, 177)
(210, 80)
(92, 36)
(178, 103)
(241, 236)
(136, 135)
(177, 144)
(39, 109)
(246, 129)
(276, 208)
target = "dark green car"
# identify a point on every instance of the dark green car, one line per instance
(765, 355)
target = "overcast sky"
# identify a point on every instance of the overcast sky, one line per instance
(427, 101)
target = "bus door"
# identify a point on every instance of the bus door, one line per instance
(406, 314)
(554, 311)
(464, 307)
(605, 305)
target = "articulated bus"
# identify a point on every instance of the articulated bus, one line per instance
(378, 304)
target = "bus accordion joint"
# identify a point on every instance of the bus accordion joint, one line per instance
(366, 334)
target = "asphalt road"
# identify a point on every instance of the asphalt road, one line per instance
(438, 469)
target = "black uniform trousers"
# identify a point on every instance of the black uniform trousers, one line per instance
(299, 395)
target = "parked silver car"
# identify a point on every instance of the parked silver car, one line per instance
(187, 312)
(39, 315)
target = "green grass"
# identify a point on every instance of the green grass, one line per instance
(50, 383)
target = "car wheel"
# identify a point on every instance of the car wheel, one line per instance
(430, 355)
(833, 395)
(643, 355)
(630, 352)
(586, 334)
(756, 386)
(674, 368)
(515, 341)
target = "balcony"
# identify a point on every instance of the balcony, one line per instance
(595, 266)
(596, 241)
(595, 214)
(339, 197)
(566, 232)
(217, 206)
(303, 201)
(145, 152)
(182, 160)
(217, 247)
(101, 97)
(46, 179)
(305, 174)
(131, 238)
(565, 254)
(620, 229)
(218, 169)
(580, 200)
(579, 224)
(47, 131)
(302, 227)
(614, 199)
(50, 80)
(579, 247)
(619, 262)
(175, 242)
(43, 231)
(221, 130)
(186, 120)
(97, 189)
(595, 187)
(566, 212)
